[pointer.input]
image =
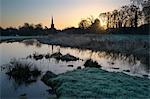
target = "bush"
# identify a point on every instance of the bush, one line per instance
(22, 72)
(91, 63)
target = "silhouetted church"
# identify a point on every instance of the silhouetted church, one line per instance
(52, 29)
(52, 24)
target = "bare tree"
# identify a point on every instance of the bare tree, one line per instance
(91, 19)
(137, 2)
(146, 10)
(106, 18)
(38, 26)
(84, 24)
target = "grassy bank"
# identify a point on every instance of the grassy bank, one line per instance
(136, 45)
(93, 83)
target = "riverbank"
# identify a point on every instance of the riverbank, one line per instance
(136, 45)
(18, 38)
(81, 83)
(89, 83)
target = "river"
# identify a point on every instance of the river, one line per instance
(21, 50)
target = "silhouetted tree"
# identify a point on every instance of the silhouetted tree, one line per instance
(95, 27)
(38, 26)
(26, 29)
(114, 18)
(137, 2)
(84, 24)
(1, 30)
(145, 4)
(39, 29)
(105, 18)
(127, 16)
(146, 11)
(91, 20)
(90, 25)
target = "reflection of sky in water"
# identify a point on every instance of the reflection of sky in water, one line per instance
(107, 61)
(20, 51)
(10, 90)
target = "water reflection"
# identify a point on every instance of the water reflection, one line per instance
(108, 61)
(58, 56)
(25, 51)
(32, 42)
(22, 72)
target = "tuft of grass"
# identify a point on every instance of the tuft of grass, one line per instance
(22, 72)
(56, 55)
(91, 63)
(67, 57)
(47, 56)
(38, 56)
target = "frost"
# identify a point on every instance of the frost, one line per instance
(96, 83)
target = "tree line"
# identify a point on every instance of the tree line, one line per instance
(129, 19)
(25, 30)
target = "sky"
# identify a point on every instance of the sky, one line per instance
(66, 13)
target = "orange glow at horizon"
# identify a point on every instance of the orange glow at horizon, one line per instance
(60, 23)
(67, 13)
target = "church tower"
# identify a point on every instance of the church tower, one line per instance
(52, 24)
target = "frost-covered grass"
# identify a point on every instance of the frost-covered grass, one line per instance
(137, 45)
(93, 83)
(18, 38)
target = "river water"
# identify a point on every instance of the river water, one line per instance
(37, 90)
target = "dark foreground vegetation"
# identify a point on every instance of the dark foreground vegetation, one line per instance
(91, 63)
(22, 73)
(141, 30)
(58, 56)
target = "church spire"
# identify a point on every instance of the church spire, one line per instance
(52, 23)
(52, 20)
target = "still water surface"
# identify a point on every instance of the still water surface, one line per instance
(36, 90)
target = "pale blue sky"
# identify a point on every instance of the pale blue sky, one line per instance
(66, 12)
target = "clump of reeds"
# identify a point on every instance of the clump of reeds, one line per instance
(91, 63)
(23, 72)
